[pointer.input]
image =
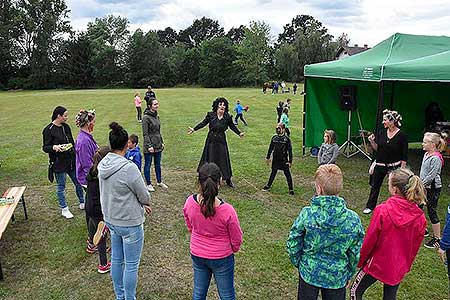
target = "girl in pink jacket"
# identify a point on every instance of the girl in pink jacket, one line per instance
(393, 237)
(215, 235)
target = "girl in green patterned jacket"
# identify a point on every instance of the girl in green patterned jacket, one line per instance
(325, 240)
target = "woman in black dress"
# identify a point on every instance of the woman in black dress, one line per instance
(391, 146)
(216, 148)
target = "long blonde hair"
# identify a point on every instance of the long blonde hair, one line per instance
(436, 139)
(409, 185)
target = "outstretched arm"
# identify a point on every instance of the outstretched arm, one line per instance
(203, 123)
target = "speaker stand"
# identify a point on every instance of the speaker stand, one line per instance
(349, 148)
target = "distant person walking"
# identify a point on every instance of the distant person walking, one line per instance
(280, 110)
(239, 109)
(138, 104)
(215, 235)
(216, 147)
(285, 120)
(149, 94)
(294, 88)
(124, 198)
(56, 139)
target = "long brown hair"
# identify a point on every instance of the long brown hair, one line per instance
(409, 185)
(208, 180)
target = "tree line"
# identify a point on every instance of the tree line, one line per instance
(40, 50)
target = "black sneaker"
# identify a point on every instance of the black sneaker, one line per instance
(433, 243)
(291, 192)
(427, 233)
(266, 188)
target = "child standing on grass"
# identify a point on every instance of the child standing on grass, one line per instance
(430, 174)
(94, 212)
(215, 235)
(138, 104)
(393, 237)
(325, 240)
(133, 152)
(285, 120)
(329, 150)
(239, 109)
(281, 147)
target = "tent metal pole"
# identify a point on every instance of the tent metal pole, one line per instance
(304, 116)
(379, 107)
(391, 106)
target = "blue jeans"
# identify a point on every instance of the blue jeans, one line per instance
(61, 187)
(148, 163)
(126, 250)
(223, 270)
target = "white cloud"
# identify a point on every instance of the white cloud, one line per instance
(365, 21)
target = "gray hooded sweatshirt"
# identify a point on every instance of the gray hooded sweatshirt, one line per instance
(122, 191)
(431, 171)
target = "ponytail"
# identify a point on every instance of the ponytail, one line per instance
(409, 185)
(209, 179)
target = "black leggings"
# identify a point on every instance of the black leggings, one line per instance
(287, 173)
(432, 202)
(375, 181)
(363, 281)
(310, 292)
(241, 116)
(139, 113)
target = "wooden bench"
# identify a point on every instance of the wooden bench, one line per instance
(7, 211)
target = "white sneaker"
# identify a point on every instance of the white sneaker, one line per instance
(367, 211)
(150, 188)
(162, 185)
(82, 206)
(65, 212)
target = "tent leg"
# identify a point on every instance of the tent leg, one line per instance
(304, 118)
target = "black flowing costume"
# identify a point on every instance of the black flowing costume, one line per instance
(216, 148)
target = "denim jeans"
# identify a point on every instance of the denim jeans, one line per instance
(223, 270)
(148, 163)
(61, 187)
(126, 250)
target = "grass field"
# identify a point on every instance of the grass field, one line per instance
(44, 257)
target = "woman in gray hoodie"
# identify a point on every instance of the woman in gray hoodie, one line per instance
(124, 199)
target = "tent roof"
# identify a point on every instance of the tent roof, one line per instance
(400, 57)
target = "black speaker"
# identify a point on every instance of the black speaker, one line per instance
(348, 97)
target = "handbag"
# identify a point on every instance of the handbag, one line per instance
(51, 173)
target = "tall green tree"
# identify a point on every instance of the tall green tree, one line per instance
(216, 67)
(42, 26)
(167, 37)
(9, 24)
(201, 30)
(109, 36)
(287, 63)
(254, 53)
(236, 34)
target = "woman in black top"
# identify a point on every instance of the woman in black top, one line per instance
(391, 146)
(216, 148)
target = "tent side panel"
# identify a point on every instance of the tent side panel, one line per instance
(324, 112)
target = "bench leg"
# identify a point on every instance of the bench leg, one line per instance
(24, 208)
(1, 271)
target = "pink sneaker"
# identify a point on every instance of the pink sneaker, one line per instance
(104, 269)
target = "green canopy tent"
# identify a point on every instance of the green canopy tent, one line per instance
(404, 72)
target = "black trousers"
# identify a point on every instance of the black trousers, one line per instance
(139, 113)
(241, 116)
(101, 247)
(363, 281)
(432, 202)
(310, 292)
(287, 173)
(375, 181)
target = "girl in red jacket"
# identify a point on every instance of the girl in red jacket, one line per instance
(393, 237)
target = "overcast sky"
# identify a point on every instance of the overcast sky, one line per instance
(365, 21)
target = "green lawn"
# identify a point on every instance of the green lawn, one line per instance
(44, 257)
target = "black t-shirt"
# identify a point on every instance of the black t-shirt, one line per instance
(391, 150)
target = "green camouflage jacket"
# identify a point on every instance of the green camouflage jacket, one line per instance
(324, 242)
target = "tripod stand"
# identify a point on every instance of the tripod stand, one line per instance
(349, 148)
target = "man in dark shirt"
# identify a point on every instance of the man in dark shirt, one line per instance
(149, 94)
(58, 143)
